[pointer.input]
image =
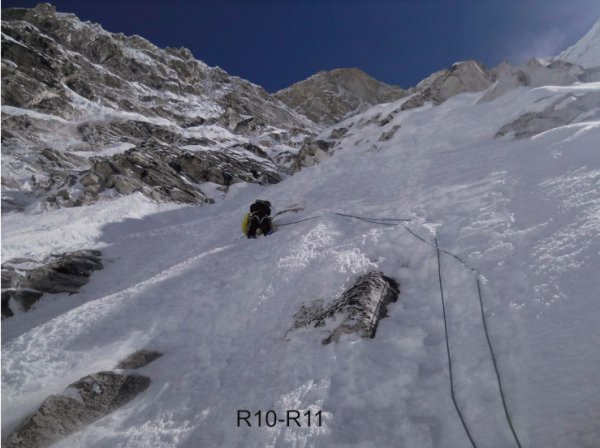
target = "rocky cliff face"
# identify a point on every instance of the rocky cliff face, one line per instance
(76, 97)
(330, 96)
(469, 76)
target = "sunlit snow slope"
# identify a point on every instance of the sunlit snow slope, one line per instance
(524, 212)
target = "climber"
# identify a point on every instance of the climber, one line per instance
(259, 219)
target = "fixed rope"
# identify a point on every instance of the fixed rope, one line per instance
(495, 363)
(462, 420)
(392, 222)
(379, 221)
(296, 222)
(485, 329)
(398, 221)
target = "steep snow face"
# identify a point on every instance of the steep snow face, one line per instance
(586, 52)
(524, 212)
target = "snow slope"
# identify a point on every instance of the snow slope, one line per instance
(586, 52)
(525, 213)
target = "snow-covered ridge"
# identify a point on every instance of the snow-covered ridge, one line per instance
(586, 52)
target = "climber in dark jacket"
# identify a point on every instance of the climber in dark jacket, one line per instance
(259, 218)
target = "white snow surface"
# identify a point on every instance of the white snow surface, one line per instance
(525, 213)
(586, 52)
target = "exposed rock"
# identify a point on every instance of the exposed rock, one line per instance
(361, 307)
(329, 96)
(70, 86)
(568, 109)
(413, 102)
(157, 170)
(83, 402)
(311, 153)
(139, 359)
(24, 281)
(469, 76)
(389, 134)
(338, 133)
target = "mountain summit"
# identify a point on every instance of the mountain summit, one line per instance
(329, 96)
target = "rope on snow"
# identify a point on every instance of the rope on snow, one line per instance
(462, 419)
(397, 221)
(483, 318)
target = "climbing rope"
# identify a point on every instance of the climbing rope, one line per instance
(398, 221)
(442, 250)
(462, 420)
(489, 343)
(485, 330)
(375, 220)
(296, 222)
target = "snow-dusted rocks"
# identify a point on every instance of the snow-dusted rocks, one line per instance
(565, 110)
(169, 173)
(77, 90)
(360, 308)
(25, 281)
(532, 73)
(329, 96)
(83, 402)
(312, 152)
(468, 76)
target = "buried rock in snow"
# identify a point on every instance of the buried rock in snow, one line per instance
(363, 305)
(24, 281)
(139, 359)
(83, 402)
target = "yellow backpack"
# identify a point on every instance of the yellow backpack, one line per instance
(245, 222)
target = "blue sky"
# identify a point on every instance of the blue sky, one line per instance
(275, 43)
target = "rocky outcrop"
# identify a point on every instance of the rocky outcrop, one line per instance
(75, 91)
(329, 96)
(469, 76)
(168, 173)
(83, 402)
(359, 308)
(568, 109)
(311, 153)
(25, 281)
